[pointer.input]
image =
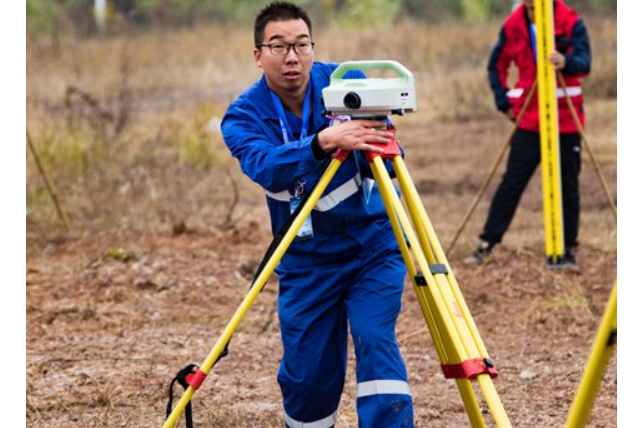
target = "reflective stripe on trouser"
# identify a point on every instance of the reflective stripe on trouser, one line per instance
(384, 403)
(314, 308)
(321, 423)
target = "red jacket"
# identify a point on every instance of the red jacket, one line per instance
(515, 45)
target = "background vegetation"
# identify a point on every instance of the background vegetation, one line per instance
(45, 16)
(125, 124)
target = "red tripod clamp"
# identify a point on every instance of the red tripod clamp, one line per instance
(469, 369)
(391, 148)
(196, 378)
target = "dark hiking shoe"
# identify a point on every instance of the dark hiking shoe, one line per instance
(481, 255)
(555, 264)
(566, 263)
(569, 261)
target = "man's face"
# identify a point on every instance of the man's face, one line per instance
(529, 3)
(285, 74)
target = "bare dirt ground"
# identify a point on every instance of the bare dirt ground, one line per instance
(112, 317)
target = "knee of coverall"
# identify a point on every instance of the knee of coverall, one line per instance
(314, 353)
(313, 324)
(314, 334)
(375, 343)
(383, 394)
(373, 304)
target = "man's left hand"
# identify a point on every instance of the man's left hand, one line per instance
(558, 60)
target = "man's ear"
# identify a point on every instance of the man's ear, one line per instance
(257, 58)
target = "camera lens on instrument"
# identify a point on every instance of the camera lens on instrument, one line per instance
(352, 100)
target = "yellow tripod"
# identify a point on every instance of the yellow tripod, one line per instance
(596, 365)
(461, 351)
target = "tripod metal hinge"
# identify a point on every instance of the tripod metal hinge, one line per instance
(469, 369)
(420, 280)
(435, 269)
(438, 268)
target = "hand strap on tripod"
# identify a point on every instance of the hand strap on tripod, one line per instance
(192, 376)
(182, 378)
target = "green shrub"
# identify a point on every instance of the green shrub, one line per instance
(42, 17)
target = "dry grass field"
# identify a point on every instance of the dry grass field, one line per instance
(164, 232)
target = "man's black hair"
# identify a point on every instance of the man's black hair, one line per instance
(278, 11)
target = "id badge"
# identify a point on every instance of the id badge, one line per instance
(305, 232)
(366, 187)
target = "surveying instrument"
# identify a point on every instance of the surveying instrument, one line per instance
(461, 351)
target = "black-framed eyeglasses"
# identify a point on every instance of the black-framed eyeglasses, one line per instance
(300, 48)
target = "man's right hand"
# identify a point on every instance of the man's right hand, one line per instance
(355, 135)
(511, 115)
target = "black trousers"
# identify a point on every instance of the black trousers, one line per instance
(523, 159)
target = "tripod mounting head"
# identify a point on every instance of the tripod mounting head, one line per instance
(372, 97)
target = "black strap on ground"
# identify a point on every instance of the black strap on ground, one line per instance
(181, 378)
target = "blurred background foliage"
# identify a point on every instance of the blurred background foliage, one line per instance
(52, 17)
(125, 120)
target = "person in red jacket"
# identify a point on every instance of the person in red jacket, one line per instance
(572, 56)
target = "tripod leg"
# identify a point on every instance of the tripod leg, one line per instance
(456, 329)
(432, 246)
(580, 129)
(596, 365)
(440, 322)
(257, 286)
(394, 207)
(412, 272)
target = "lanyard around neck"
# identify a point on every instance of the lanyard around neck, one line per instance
(531, 28)
(285, 125)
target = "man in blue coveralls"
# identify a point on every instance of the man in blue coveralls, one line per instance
(345, 265)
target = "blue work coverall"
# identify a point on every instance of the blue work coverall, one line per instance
(351, 270)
